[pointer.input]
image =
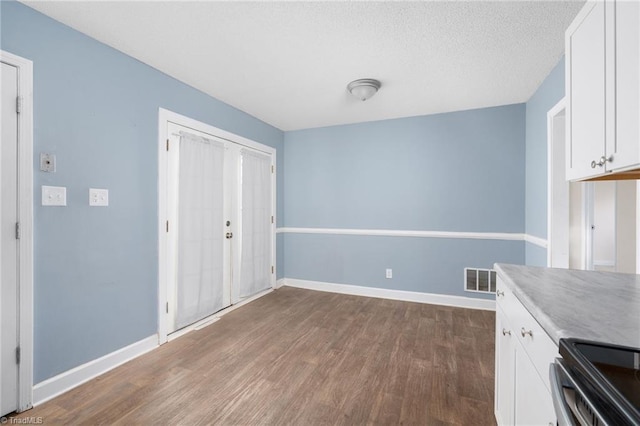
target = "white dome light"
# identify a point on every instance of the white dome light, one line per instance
(364, 88)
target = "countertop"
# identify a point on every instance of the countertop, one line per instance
(600, 306)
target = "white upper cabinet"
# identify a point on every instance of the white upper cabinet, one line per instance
(585, 90)
(626, 145)
(603, 89)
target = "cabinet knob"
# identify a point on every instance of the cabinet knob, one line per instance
(525, 332)
(499, 293)
(506, 332)
(602, 161)
(605, 159)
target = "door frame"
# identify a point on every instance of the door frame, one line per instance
(25, 218)
(555, 166)
(638, 227)
(164, 117)
(559, 165)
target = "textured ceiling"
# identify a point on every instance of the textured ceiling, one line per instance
(288, 63)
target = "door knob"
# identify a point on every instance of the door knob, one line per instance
(229, 235)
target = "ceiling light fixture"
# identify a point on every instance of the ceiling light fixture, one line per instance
(364, 88)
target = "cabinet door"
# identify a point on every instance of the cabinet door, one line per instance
(585, 89)
(625, 147)
(533, 403)
(505, 364)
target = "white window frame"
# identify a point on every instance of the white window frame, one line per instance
(164, 118)
(25, 217)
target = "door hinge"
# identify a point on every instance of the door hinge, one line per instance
(167, 307)
(273, 169)
(18, 104)
(167, 226)
(271, 219)
(167, 144)
(17, 230)
(272, 269)
(18, 355)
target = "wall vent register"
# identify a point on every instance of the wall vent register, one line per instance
(480, 280)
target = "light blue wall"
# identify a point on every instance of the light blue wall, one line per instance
(96, 269)
(426, 265)
(461, 171)
(97, 110)
(535, 255)
(548, 94)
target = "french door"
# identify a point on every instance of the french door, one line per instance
(219, 223)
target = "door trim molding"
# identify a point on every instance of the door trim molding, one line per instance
(552, 163)
(164, 117)
(25, 216)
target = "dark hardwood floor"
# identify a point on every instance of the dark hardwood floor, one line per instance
(301, 357)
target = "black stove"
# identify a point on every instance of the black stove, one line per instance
(596, 383)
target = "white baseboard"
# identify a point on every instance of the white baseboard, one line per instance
(407, 296)
(68, 380)
(279, 283)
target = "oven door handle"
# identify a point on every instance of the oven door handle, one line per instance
(563, 412)
(561, 378)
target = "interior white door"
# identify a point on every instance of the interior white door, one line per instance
(603, 226)
(611, 212)
(8, 241)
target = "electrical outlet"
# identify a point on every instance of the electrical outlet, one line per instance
(389, 273)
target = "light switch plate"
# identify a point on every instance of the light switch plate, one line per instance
(98, 197)
(54, 195)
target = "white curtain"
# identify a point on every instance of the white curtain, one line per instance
(255, 264)
(200, 229)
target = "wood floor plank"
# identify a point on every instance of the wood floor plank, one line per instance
(300, 357)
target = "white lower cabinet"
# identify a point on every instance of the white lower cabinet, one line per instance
(523, 355)
(533, 404)
(505, 369)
